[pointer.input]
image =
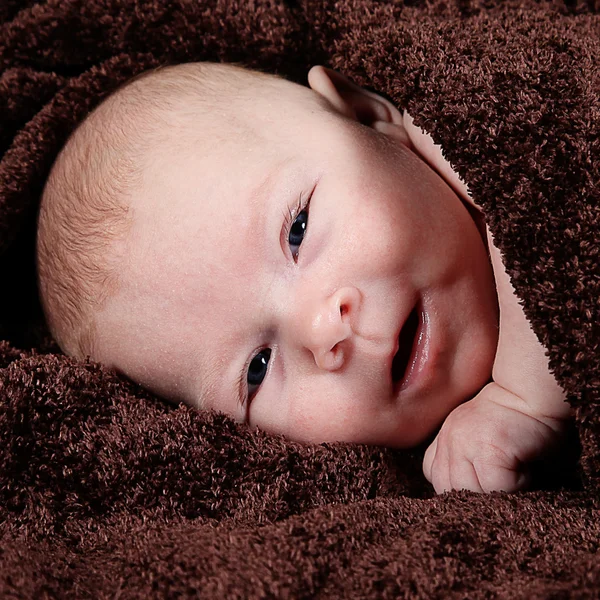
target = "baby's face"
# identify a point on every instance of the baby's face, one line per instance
(273, 282)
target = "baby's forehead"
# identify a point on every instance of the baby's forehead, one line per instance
(175, 110)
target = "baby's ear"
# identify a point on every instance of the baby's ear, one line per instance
(355, 102)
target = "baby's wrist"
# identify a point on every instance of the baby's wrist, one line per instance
(555, 420)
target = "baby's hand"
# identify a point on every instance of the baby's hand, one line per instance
(486, 443)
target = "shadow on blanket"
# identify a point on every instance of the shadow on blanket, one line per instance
(106, 491)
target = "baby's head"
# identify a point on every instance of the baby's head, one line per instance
(236, 241)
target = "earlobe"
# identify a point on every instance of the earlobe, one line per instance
(325, 82)
(395, 130)
(357, 103)
(349, 98)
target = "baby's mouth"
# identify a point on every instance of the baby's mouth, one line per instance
(406, 345)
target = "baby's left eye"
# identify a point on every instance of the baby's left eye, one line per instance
(297, 232)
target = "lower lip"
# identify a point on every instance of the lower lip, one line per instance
(419, 352)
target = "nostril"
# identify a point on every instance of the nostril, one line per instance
(348, 300)
(334, 359)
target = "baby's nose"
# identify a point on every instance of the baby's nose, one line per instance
(329, 327)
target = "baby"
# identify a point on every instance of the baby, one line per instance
(301, 258)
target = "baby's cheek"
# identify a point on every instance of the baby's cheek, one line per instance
(380, 236)
(319, 412)
(316, 413)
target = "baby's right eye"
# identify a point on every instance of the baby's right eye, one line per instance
(297, 232)
(257, 370)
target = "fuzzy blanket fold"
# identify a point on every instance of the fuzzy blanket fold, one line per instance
(109, 492)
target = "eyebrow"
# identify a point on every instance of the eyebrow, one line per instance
(263, 192)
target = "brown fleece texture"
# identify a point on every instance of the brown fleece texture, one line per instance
(109, 492)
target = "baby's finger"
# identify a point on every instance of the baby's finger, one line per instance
(463, 476)
(429, 458)
(501, 478)
(440, 475)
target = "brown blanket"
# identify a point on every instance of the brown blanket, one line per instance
(109, 492)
